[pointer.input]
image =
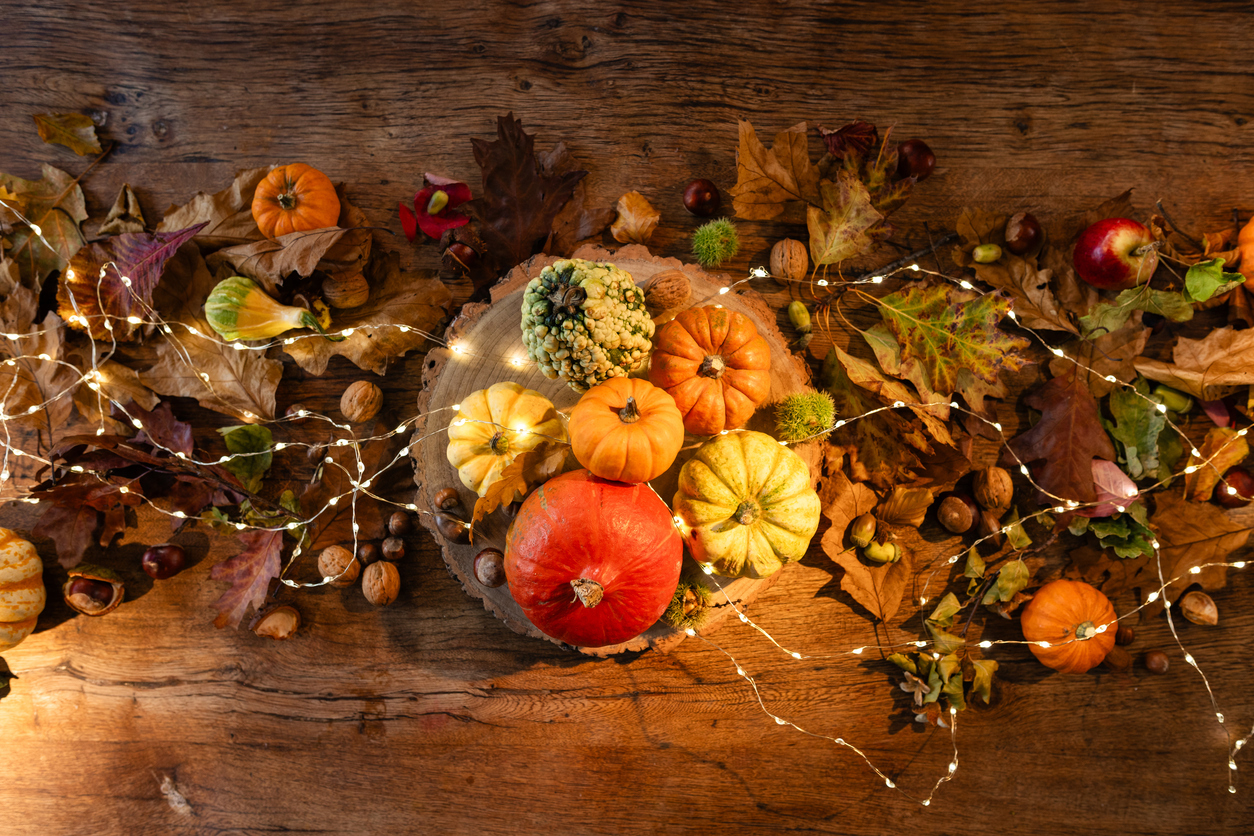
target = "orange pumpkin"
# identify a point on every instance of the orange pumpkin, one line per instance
(715, 365)
(294, 198)
(627, 430)
(1069, 616)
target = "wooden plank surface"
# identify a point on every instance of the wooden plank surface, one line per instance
(431, 716)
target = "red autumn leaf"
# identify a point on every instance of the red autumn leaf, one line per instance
(249, 574)
(1066, 439)
(160, 428)
(132, 264)
(72, 512)
(519, 199)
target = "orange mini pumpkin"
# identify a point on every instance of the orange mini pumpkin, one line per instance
(294, 198)
(1069, 616)
(627, 430)
(715, 365)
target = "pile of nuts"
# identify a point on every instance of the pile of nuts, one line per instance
(375, 564)
(994, 492)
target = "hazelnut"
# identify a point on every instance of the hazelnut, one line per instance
(451, 528)
(446, 499)
(400, 524)
(490, 568)
(1200, 608)
(789, 261)
(381, 583)
(361, 401)
(367, 553)
(957, 512)
(278, 621)
(1125, 635)
(393, 549)
(346, 291)
(338, 566)
(1156, 662)
(993, 489)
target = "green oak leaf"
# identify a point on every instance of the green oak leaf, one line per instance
(953, 335)
(839, 230)
(1137, 425)
(1208, 279)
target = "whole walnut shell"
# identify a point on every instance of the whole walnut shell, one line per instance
(665, 290)
(361, 401)
(339, 563)
(993, 489)
(381, 583)
(789, 261)
(346, 291)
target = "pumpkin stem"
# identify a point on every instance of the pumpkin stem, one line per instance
(712, 366)
(287, 200)
(630, 413)
(1085, 631)
(746, 512)
(568, 299)
(499, 445)
(588, 592)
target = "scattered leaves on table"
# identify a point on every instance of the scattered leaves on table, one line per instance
(125, 215)
(767, 180)
(56, 205)
(636, 219)
(1112, 354)
(1208, 368)
(38, 393)
(249, 573)
(838, 230)
(1221, 449)
(75, 131)
(228, 213)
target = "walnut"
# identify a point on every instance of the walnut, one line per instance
(789, 261)
(339, 564)
(993, 489)
(361, 401)
(381, 583)
(346, 291)
(665, 290)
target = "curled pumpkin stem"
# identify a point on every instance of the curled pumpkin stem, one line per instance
(588, 592)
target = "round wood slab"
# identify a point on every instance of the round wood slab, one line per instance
(491, 336)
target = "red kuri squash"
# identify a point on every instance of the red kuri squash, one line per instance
(1067, 615)
(592, 562)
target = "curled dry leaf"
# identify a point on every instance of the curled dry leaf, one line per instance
(125, 216)
(1210, 368)
(75, 131)
(906, 506)
(228, 214)
(636, 219)
(56, 205)
(577, 221)
(1221, 449)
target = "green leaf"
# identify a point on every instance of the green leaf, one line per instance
(904, 662)
(943, 615)
(951, 672)
(1012, 578)
(250, 443)
(942, 641)
(1018, 538)
(1136, 427)
(1208, 279)
(75, 131)
(975, 565)
(838, 230)
(982, 684)
(953, 335)
(1111, 316)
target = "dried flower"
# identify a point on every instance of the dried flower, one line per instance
(433, 208)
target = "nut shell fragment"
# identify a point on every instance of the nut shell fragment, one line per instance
(93, 590)
(278, 622)
(1200, 608)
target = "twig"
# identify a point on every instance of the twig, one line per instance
(910, 257)
(1186, 236)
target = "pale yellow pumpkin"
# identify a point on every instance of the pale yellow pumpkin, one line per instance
(493, 426)
(746, 505)
(22, 595)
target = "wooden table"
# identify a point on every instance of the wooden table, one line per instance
(430, 716)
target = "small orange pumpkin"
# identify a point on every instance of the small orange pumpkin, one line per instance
(715, 365)
(294, 198)
(1069, 616)
(627, 430)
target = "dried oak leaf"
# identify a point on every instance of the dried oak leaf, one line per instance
(249, 574)
(75, 131)
(332, 501)
(239, 381)
(335, 249)
(403, 310)
(636, 219)
(1221, 449)
(953, 335)
(125, 216)
(1113, 354)
(36, 392)
(55, 204)
(766, 180)
(839, 228)
(877, 588)
(1066, 439)
(519, 201)
(111, 281)
(1210, 368)
(576, 222)
(228, 213)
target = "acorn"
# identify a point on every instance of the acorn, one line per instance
(93, 590)
(863, 530)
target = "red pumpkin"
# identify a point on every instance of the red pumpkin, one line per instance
(715, 365)
(1068, 615)
(592, 562)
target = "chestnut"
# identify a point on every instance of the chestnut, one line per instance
(915, 159)
(451, 528)
(400, 524)
(490, 568)
(460, 256)
(958, 513)
(1125, 635)
(164, 561)
(1156, 662)
(1236, 489)
(93, 590)
(99, 591)
(446, 499)
(701, 197)
(367, 553)
(296, 414)
(1023, 233)
(393, 549)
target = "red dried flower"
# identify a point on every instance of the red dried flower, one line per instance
(434, 207)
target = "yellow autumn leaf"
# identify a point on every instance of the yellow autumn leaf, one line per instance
(636, 219)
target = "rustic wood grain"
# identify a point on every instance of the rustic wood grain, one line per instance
(429, 716)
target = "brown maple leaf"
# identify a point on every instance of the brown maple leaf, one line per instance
(767, 180)
(518, 477)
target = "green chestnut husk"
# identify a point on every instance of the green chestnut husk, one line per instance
(690, 607)
(804, 415)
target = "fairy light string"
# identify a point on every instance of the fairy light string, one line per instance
(360, 482)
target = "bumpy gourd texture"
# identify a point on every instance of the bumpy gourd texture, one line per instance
(22, 594)
(748, 502)
(493, 426)
(585, 322)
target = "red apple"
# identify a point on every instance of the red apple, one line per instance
(1115, 254)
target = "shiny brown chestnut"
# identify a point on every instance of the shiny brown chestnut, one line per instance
(163, 561)
(451, 528)
(393, 549)
(93, 590)
(702, 198)
(400, 524)
(490, 568)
